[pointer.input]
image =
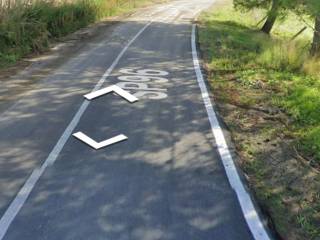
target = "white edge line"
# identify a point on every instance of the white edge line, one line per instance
(250, 214)
(19, 200)
(92, 143)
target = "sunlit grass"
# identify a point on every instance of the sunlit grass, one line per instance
(28, 28)
(232, 44)
(235, 44)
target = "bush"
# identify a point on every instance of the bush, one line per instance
(28, 28)
(21, 34)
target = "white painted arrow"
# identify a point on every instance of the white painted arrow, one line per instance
(114, 88)
(92, 143)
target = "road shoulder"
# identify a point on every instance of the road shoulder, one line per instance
(283, 181)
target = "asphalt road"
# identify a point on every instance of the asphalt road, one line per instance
(166, 181)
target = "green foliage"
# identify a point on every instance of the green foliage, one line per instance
(279, 9)
(251, 69)
(311, 7)
(239, 48)
(250, 4)
(245, 64)
(280, 55)
(64, 18)
(308, 6)
(28, 28)
(247, 5)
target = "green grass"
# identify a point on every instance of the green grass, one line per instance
(233, 44)
(25, 29)
(239, 57)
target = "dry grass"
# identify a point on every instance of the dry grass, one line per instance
(312, 67)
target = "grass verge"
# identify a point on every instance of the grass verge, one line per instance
(268, 92)
(28, 28)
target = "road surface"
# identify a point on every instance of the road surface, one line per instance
(167, 181)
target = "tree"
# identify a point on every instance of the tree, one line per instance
(310, 8)
(278, 8)
(272, 16)
(274, 7)
(315, 48)
(313, 9)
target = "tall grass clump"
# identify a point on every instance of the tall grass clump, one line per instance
(283, 55)
(65, 18)
(312, 66)
(26, 28)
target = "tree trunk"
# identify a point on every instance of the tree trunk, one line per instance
(315, 49)
(272, 16)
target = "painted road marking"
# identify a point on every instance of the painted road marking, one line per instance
(25, 191)
(138, 81)
(114, 88)
(144, 72)
(92, 143)
(250, 214)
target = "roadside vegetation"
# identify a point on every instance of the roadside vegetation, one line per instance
(263, 64)
(27, 26)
